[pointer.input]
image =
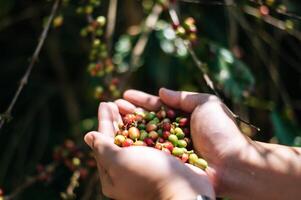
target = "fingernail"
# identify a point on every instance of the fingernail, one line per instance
(89, 138)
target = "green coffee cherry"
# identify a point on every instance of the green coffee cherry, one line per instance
(141, 126)
(101, 20)
(179, 133)
(201, 163)
(173, 139)
(182, 143)
(149, 116)
(193, 158)
(143, 135)
(178, 151)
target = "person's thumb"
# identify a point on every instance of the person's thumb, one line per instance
(103, 146)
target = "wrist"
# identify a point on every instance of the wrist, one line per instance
(230, 177)
(248, 174)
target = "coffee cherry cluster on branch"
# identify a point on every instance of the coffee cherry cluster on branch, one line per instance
(188, 30)
(162, 130)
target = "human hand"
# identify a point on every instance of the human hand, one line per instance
(141, 172)
(214, 133)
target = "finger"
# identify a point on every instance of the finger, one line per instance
(105, 120)
(196, 169)
(185, 101)
(125, 107)
(115, 115)
(144, 100)
(103, 147)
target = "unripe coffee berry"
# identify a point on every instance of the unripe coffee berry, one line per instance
(149, 116)
(129, 119)
(161, 130)
(119, 140)
(193, 158)
(151, 127)
(158, 146)
(143, 135)
(153, 135)
(161, 114)
(173, 139)
(141, 126)
(125, 133)
(178, 151)
(134, 133)
(201, 163)
(179, 133)
(139, 143)
(182, 143)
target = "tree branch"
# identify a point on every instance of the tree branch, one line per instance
(200, 65)
(4, 117)
(149, 25)
(49, 169)
(69, 193)
(112, 12)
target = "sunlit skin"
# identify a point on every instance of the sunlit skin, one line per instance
(239, 168)
(139, 172)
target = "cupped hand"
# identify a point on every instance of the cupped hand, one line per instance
(214, 132)
(141, 172)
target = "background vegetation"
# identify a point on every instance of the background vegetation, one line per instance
(96, 49)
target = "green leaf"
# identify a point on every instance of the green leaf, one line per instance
(231, 73)
(284, 129)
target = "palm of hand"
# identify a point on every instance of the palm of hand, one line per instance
(214, 132)
(140, 172)
(146, 171)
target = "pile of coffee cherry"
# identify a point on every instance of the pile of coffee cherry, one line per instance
(162, 130)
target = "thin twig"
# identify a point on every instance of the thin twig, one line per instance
(272, 21)
(34, 59)
(206, 76)
(201, 67)
(149, 25)
(112, 12)
(233, 4)
(89, 188)
(49, 169)
(263, 56)
(209, 3)
(69, 193)
(284, 13)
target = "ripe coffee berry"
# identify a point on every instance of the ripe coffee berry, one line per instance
(128, 142)
(162, 130)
